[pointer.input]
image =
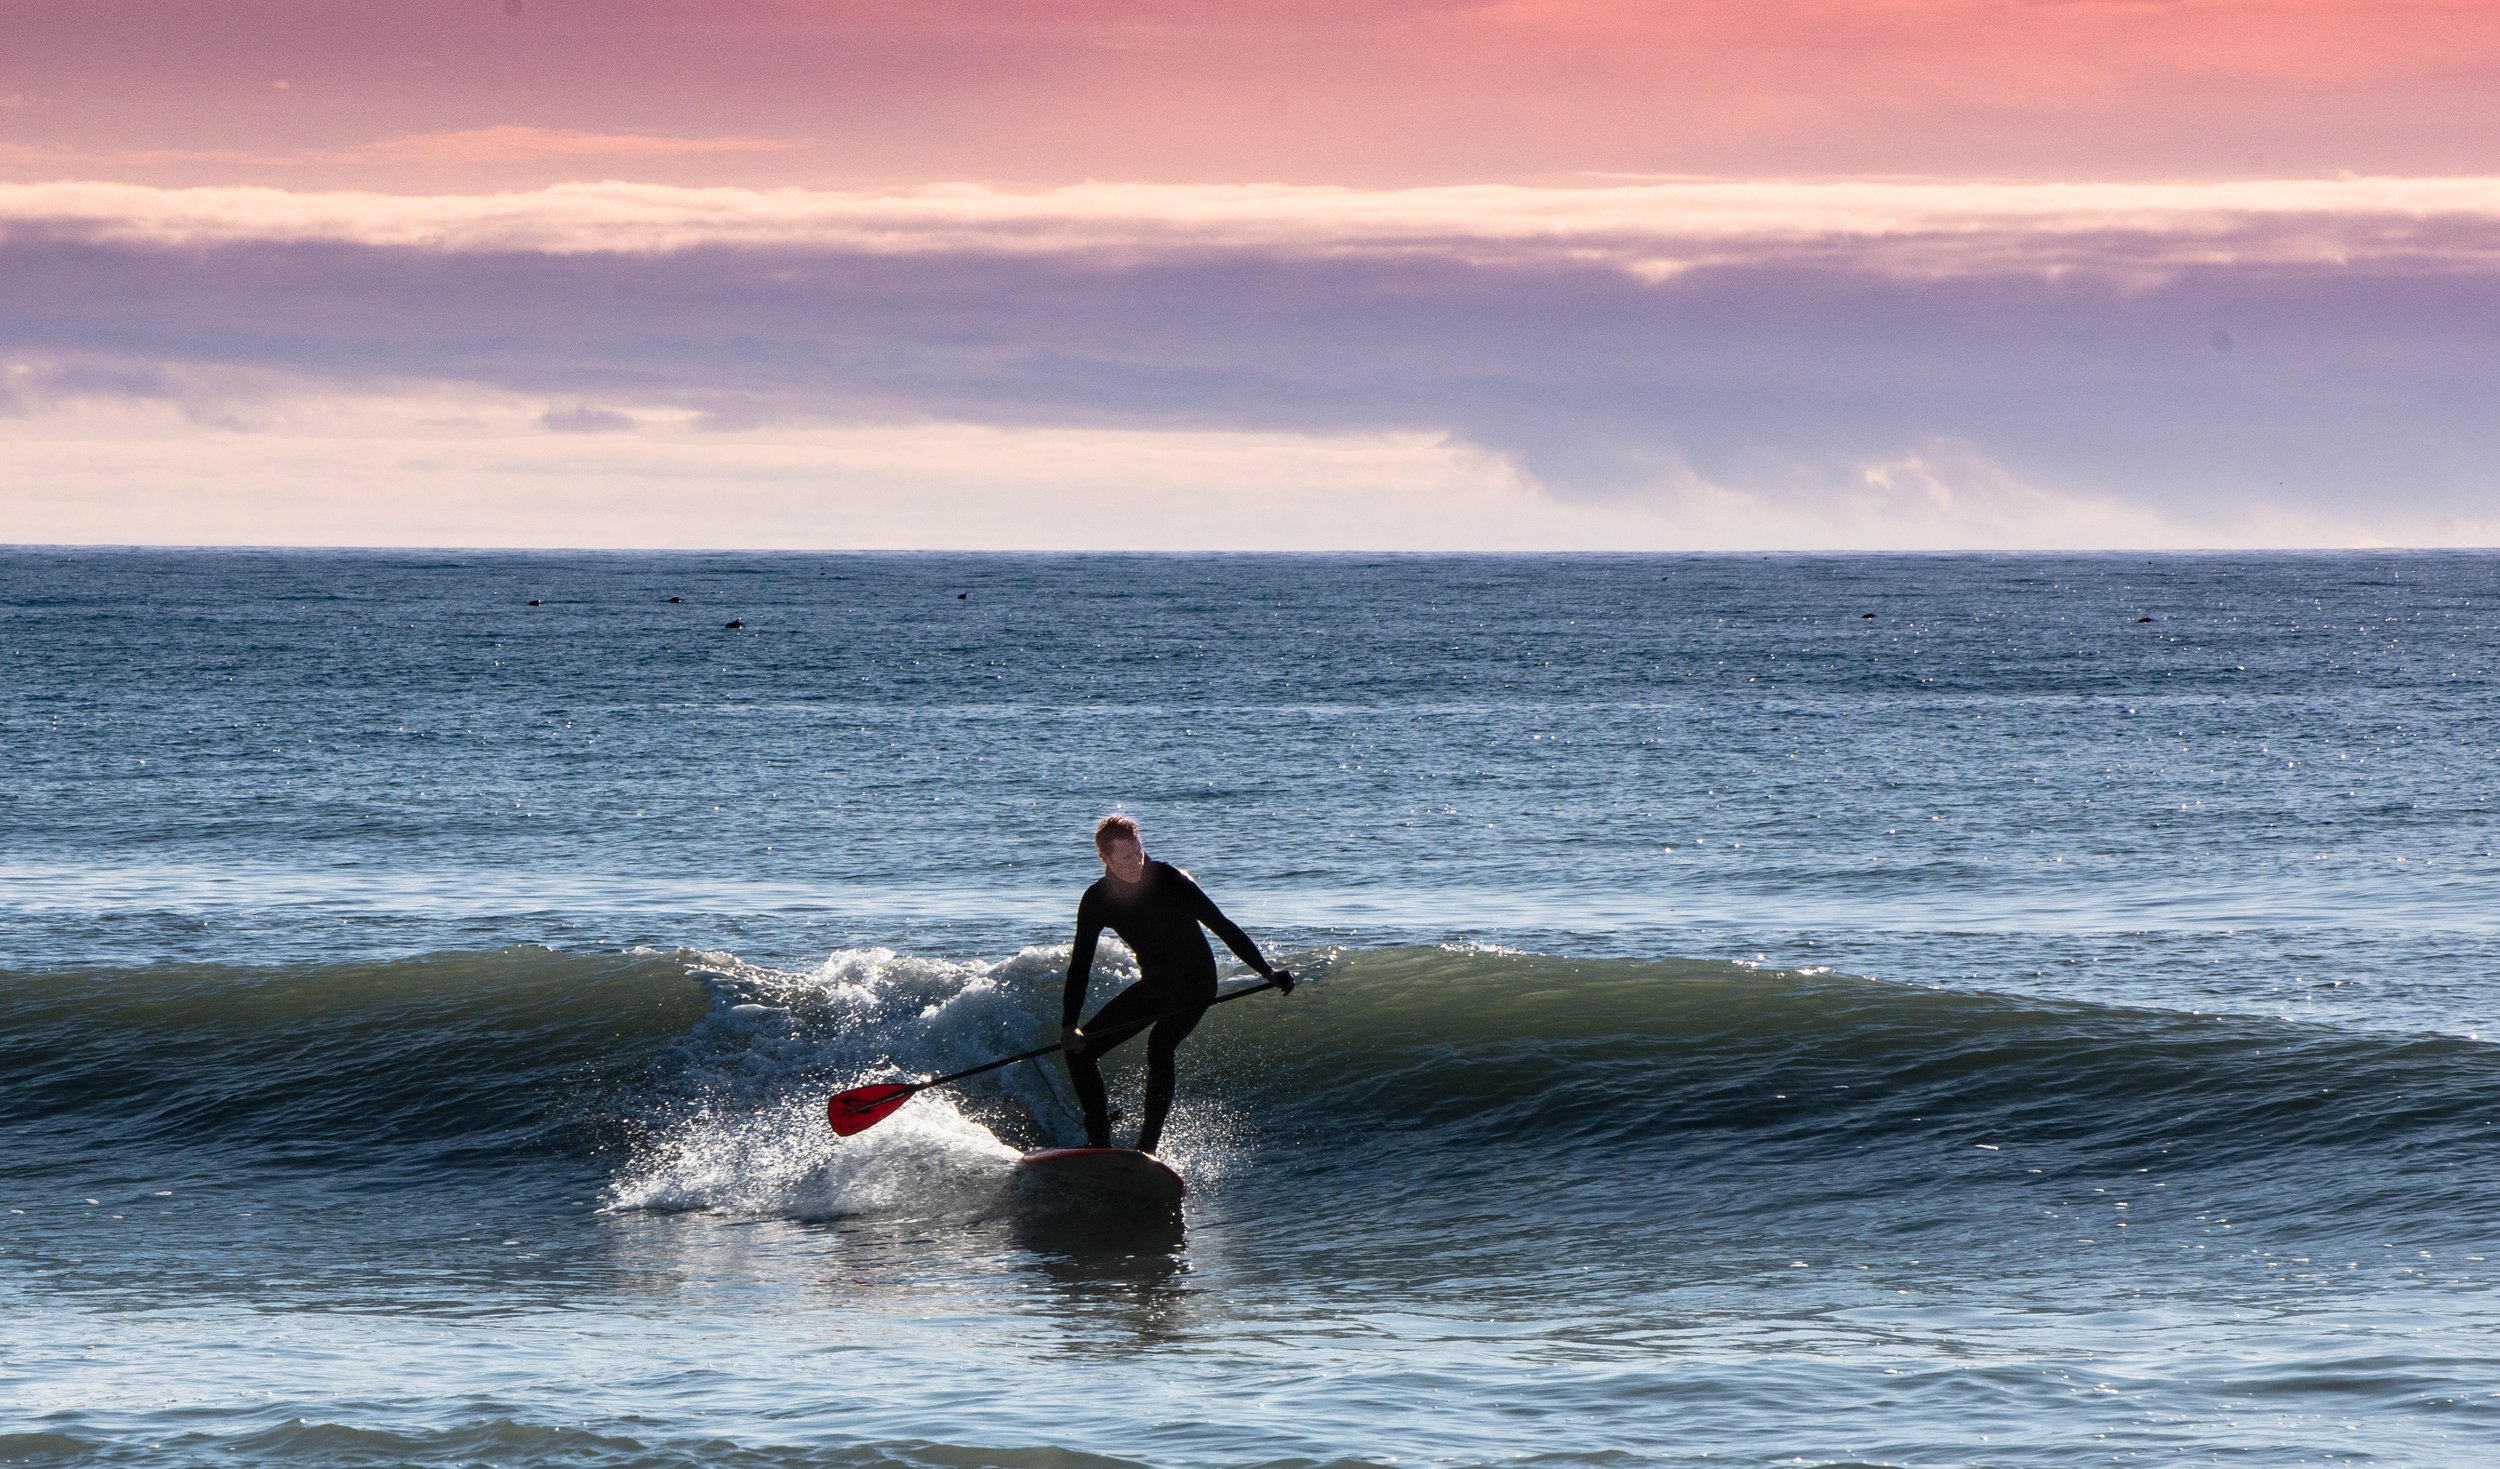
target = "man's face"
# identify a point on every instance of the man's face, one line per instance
(1125, 859)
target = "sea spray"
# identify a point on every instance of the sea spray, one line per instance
(742, 1126)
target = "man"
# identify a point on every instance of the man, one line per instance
(1156, 910)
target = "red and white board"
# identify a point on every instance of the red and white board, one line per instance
(1121, 1173)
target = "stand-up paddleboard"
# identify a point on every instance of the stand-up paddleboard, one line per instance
(1110, 1173)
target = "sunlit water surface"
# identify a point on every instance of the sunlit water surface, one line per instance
(2041, 1022)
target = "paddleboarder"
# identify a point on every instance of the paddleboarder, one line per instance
(1158, 912)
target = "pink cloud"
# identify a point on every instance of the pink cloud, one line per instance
(1651, 229)
(1363, 91)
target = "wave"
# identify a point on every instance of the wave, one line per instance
(696, 1081)
(448, 1060)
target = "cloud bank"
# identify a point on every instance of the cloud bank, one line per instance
(1880, 362)
(1653, 226)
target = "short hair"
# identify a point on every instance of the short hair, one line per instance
(1111, 829)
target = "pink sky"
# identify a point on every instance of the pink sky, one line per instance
(460, 94)
(1371, 272)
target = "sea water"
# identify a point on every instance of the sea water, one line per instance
(1793, 1010)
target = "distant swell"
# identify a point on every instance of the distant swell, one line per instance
(703, 1077)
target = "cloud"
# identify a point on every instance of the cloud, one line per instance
(1965, 364)
(586, 420)
(1652, 228)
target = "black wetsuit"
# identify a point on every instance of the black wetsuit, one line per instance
(1158, 920)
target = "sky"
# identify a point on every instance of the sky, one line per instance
(1265, 274)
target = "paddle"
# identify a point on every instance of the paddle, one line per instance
(863, 1107)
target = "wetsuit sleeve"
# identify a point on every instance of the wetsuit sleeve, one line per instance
(1081, 957)
(1202, 908)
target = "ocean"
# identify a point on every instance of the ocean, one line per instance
(1853, 1010)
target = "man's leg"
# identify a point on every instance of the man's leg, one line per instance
(1086, 1077)
(1112, 1024)
(1162, 1074)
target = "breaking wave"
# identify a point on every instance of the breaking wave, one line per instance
(696, 1081)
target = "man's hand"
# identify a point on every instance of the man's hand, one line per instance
(1281, 978)
(1072, 1040)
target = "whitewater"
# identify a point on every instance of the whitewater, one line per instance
(1840, 1011)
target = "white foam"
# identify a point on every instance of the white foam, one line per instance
(785, 1162)
(742, 1126)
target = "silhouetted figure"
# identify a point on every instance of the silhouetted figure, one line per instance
(1157, 911)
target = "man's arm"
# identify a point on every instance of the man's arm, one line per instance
(1203, 908)
(1081, 959)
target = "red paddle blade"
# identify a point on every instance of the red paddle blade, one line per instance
(863, 1107)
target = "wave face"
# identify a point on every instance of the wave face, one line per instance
(416, 1067)
(1478, 1047)
(694, 1081)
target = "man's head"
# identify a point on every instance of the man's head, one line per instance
(1121, 848)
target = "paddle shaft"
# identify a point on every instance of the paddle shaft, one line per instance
(920, 1086)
